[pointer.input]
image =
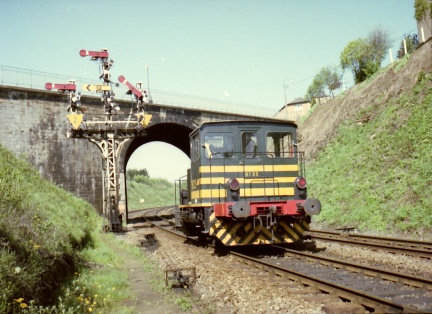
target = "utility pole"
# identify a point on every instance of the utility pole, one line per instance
(285, 86)
(148, 83)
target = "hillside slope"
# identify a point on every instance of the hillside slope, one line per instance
(369, 150)
(321, 125)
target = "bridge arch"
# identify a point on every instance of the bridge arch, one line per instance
(170, 133)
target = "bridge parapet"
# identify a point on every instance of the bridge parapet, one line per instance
(17, 77)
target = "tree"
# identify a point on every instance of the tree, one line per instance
(364, 55)
(328, 79)
(421, 9)
(332, 78)
(315, 90)
(132, 173)
(411, 44)
(353, 58)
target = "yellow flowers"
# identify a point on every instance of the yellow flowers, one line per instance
(21, 303)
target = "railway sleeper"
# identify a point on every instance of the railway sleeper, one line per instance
(343, 308)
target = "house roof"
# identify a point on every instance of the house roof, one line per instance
(298, 100)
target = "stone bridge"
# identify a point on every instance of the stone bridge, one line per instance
(34, 126)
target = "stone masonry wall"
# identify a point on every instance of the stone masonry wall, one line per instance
(34, 125)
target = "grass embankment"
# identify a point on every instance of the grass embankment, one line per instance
(154, 191)
(53, 258)
(377, 175)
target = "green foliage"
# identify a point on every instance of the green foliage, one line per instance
(421, 9)
(411, 42)
(352, 57)
(377, 175)
(327, 80)
(99, 288)
(132, 173)
(52, 259)
(400, 63)
(184, 304)
(363, 56)
(315, 90)
(41, 229)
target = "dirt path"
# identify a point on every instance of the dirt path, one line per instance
(147, 292)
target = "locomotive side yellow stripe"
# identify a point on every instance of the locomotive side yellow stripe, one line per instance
(248, 168)
(222, 180)
(245, 192)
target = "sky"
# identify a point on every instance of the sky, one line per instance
(253, 52)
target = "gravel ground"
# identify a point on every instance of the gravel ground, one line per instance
(227, 286)
(223, 284)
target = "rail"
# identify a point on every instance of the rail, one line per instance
(422, 249)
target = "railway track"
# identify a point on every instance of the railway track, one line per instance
(421, 249)
(339, 285)
(369, 286)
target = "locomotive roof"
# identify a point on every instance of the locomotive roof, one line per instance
(246, 122)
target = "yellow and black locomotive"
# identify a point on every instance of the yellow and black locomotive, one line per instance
(246, 184)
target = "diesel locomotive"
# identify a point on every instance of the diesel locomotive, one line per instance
(246, 184)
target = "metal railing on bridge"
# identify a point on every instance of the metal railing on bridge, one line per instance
(19, 77)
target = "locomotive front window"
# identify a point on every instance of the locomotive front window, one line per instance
(218, 145)
(280, 145)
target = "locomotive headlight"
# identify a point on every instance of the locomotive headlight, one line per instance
(301, 182)
(233, 184)
(234, 189)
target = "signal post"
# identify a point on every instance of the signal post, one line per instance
(109, 131)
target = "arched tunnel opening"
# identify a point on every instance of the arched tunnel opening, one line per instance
(169, 133)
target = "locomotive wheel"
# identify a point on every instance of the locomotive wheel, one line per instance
(191, 229)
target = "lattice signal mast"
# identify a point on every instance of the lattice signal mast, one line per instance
(109, 131)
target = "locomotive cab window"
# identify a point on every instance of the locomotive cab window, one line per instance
(194, 148)
(249, 144)
(280, 145)
(218, 145)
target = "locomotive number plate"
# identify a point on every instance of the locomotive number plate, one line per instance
(252, 174)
